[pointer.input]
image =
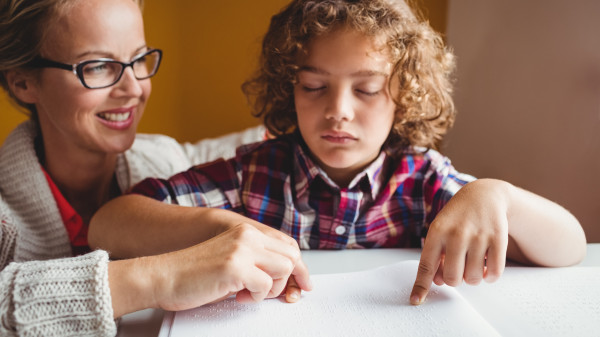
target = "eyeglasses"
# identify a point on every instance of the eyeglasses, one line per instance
(104, 72)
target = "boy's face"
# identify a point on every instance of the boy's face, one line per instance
(344, 108)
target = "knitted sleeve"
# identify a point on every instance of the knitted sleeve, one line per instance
(61, 297)
(8, 237)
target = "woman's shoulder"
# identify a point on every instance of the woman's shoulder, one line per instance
(151, 155)
(21, 136)
(187, 153)
(274, 150)
(160, 156)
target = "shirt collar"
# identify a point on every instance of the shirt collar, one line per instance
(306, 171)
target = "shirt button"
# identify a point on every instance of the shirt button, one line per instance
(339, 230)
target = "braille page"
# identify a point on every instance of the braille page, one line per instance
(529, 301)
(366, 303)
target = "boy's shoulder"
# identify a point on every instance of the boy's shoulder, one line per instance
(428, 162)
(422, 153)
(421, 157)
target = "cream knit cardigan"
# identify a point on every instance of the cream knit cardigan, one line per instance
(44, 291)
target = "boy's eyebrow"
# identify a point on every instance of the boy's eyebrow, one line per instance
(319, 71)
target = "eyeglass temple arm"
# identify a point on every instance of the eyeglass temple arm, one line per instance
(45, 63)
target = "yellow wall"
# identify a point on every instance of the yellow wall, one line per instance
(210, 48)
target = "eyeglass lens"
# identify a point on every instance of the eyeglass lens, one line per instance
(97, 74)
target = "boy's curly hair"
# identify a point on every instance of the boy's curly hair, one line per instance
(422, 66)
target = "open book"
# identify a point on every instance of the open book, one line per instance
(524, 302)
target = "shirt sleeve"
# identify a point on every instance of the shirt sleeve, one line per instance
(214, 185)
(61, 297)
(442, 182)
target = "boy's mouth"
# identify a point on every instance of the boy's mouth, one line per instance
(338, 134)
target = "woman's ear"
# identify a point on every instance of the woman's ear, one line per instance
(22, 84)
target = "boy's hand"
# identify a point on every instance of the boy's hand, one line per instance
(467, 240)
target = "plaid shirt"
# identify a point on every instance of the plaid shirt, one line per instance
(389, 204)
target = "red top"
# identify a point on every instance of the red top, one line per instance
(76, 229)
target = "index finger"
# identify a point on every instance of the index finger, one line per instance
(428, 266)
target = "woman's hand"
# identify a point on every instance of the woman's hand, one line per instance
(242, 261)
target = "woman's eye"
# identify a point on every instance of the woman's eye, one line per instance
(96, 68)
(141, 60)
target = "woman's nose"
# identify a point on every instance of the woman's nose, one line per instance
(128, 84)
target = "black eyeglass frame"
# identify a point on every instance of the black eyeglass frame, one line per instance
(77, 68)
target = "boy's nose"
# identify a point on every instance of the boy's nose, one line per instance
(340, 106)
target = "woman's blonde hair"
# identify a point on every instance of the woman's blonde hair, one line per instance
(23, 24)
(422, 66)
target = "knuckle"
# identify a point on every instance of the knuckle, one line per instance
(452, 281)
(245, 231)
(267, 286)
(245, 227)
(295, 256)
(425, 268)
(289, 267)
(420, 288)
(472, 280)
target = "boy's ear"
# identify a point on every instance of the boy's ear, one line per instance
(22, 85)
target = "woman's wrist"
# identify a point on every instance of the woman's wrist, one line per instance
(132, 285)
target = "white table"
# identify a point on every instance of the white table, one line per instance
(147, 322)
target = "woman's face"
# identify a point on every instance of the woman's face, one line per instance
(72, 117)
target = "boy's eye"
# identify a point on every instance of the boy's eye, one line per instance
(368, 93)
(312, 89)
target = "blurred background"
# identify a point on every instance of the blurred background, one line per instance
(527, 90)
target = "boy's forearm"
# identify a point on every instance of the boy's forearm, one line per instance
(541, 232)
(134, 225)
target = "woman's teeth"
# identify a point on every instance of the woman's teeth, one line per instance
(113, 117)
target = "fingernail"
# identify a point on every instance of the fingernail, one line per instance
(294, 295)
(415, 300)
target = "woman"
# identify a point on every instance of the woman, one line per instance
(82, 69)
